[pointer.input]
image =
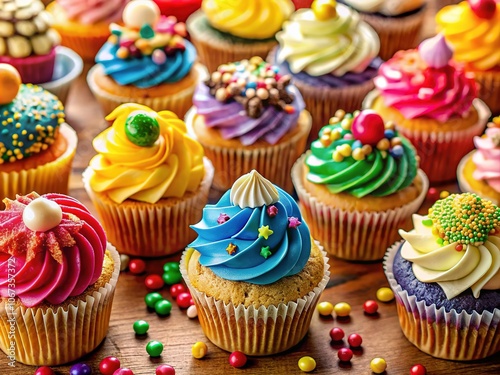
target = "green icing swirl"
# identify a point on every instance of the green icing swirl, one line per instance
(379, 174)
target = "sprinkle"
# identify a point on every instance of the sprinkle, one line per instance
(231, 249)
(293, 222)
(427, 222)
(389, 133)
(272, 211)
(265, 252)
(337, 156)
(223, 218)
(265, 232)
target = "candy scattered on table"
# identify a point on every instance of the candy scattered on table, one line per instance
(154, 348)
(163, 307)
(385, 294)
(124, 261)
(345, 354)
(325, 308)
(171, 273)
(165, 370)
(307, 364)
(184, 300)
(154, 282)
(354, 340)
(44, 370)
(141, 327)
(177, 289)
(152, 298)
(123, 371)
(109, 365)
(237, 359)
(199, 350)
(192, 312)
(378, 365)
(418, 370)
(342, 309)
(337, 334)
(80, 369)
(137, 266)
(370, 306)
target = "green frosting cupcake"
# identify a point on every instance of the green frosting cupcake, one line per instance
(361, 155)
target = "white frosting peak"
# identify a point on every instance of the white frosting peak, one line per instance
(252, 190)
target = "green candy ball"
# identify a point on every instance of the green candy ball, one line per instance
(141, 129)
(163, 307)
(154, 348)
(171, 266)
(141, 327)
(172, 277)
(152, 298)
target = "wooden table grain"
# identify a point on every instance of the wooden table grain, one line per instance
(353, 283)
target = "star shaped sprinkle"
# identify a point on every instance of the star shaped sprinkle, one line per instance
(222, 218)
(293, 222)
(231, 248)
(265, 252)
(272, 211)
(265, 232)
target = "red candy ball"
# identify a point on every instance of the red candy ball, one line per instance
(336, 334)
(483, 8)
(184, 300)
(137, 266)
(154, 282)
(368, 127)
(177, 289)
(237, 359)
(418, 370)
(109, 365)
(345, 354)
(370, 306)
(165, 370)
(123, 371)
(44, 370)
(433, 194)
(354, 340)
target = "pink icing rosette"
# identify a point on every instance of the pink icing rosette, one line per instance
(92, 11)
(487, 158)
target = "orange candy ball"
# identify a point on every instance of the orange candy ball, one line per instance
(10, 81)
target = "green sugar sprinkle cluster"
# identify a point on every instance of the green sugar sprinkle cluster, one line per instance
(464, 218)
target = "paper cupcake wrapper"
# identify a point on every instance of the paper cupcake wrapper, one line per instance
(33, 69)
(51, 177)
(151, 230)
(232, 163)
(448, 335)
(489, 89)
(178, 103)
(214, 52)
(255, 331)
(48, 337)
(396, 33)
(353, 235)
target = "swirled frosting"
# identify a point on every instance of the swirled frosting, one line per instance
(385, 7)
(417, 83)
(257, 19)
(93, 11)
(167, 165)
(52, 265)
(487, 156)
(344, 160)
(259, 245)
(335, 45)
(474, 39)
(147, 55)
(250, 101)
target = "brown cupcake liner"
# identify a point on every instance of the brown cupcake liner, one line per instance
(255, 331)
(56, 335)
(447, 335)
(353, 235)
(214, 52)
(51, 177)
(151, 230)
(274, 162)
(489, 89)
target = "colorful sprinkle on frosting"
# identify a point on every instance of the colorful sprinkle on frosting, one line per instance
(464, 218)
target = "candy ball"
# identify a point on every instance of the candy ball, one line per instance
(141, 327)
(324, 9)
(368, 127)
(165, 370)
(137, 266)
(378, 365)
(184, 300)
(142, 129)
(109, 365)
(354, 340)
(483, 8)
(171, 266)
(152, 298)
(123, 371)
(307, 364)
(199, 350)
(370, 306)
(336, 334)
(10, 81)
(44, 370)
(342, 309)
(345, 354)
(163, 307)
(172, 277)
(177, 289)
(80, 369)
(325, 308)
(192, 312)
(154, 348)
(140, 12)
(154, 282)
(124, 260)
(418, 370)
(385, 294)
(41, 215)
(237, 359)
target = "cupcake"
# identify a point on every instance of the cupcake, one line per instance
(147, 61)
(397, 23)
(433, 102)
(358, 185)
(37, 146)
(446, 279)
(254, 272)
(58, 276)
(247, 116)
(479, 171)
(471, 28)
(225, 31)
(331, 55)
(84, 24)
(148, 181)
(27, 40)
(180, 9)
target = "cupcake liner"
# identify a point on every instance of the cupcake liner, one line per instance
(353, 235)
(232, 163)
(56, 335)
(489, 89)
(448, 335)
(214, 52)
(33, 69)
(442, 3)
(52, 177)
(255, 331)
(151, 230)
(396, 33)
(179, 103)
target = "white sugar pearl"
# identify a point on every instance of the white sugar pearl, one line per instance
(192, 312)
(138, 13)
(42, 214)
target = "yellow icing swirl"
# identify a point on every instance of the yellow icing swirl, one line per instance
(172, 166)
(256, 19)
(475, 267)
(334, 45)
(475, 40)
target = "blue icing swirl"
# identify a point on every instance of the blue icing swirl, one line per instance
(290, 246)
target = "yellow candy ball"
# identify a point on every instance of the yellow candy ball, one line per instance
(385, 294)
(10, 81)
(378, 365)
(199, 350)
(324, 9)
(325, 308)
(307, 364)
(342, 309)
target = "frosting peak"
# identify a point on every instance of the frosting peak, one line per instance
(487, 155)
(252, 190)
(435, 52)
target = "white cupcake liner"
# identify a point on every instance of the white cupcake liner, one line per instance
(353, 235)
(255, 331)
(448, 335)
(57, 335)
